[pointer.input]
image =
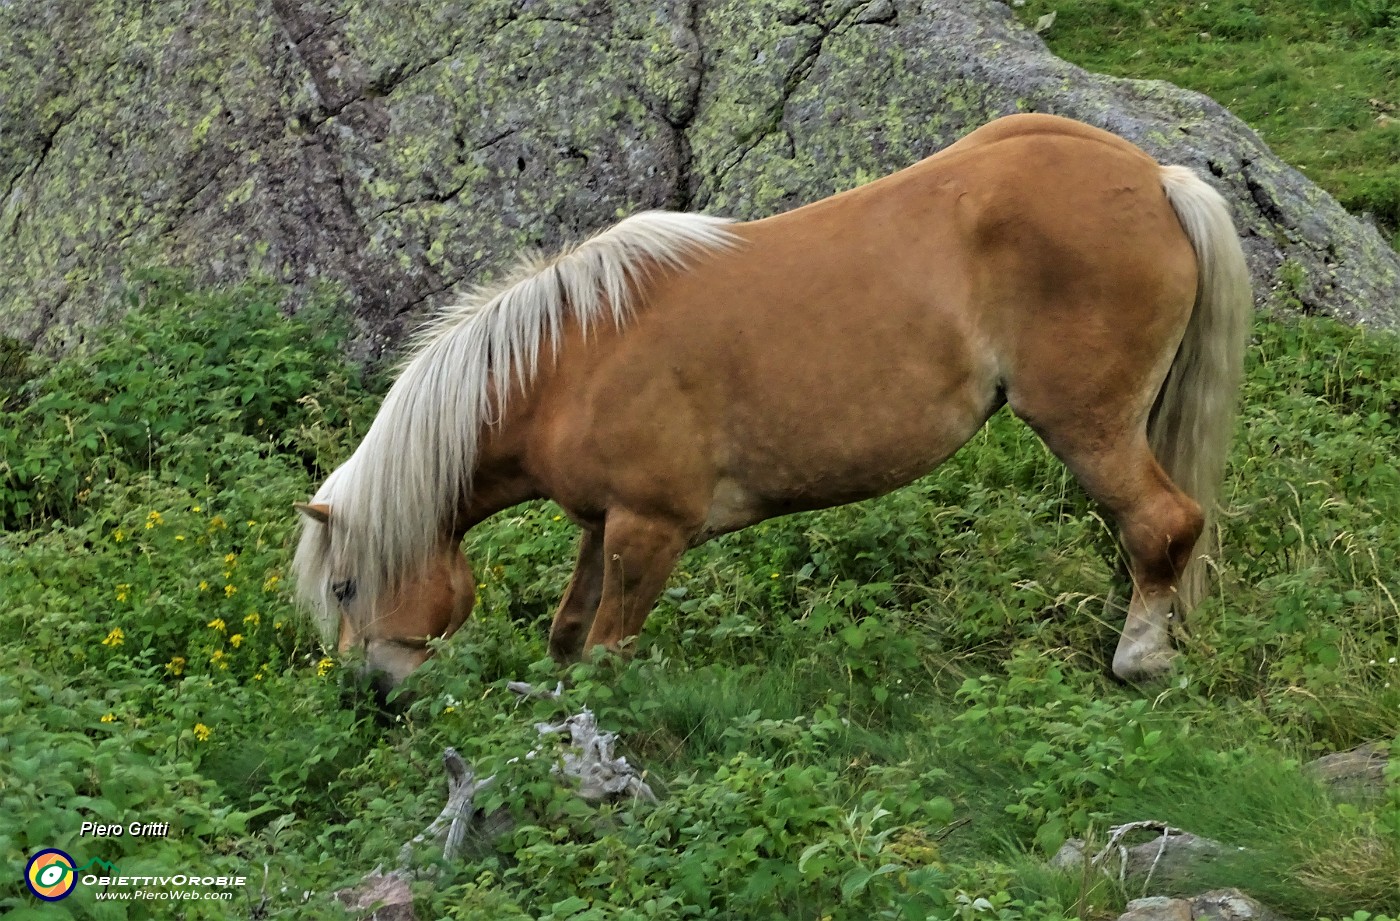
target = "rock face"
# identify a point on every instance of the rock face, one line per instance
(398, 150)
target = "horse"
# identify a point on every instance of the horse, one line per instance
(679, 376)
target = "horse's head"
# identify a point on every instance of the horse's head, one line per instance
(393, 630)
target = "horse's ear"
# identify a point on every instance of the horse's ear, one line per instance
(316, 511)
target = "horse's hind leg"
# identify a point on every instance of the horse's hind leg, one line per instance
(576, 611)
(1159, 526)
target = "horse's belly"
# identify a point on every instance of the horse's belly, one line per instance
(818, 460)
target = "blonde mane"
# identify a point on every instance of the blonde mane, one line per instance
(392, 502)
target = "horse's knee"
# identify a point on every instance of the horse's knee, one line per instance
(566, 640)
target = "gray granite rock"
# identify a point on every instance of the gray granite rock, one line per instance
(398, 151)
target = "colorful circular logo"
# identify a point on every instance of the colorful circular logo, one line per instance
(50, 874)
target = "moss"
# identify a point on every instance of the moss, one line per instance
(145, 92)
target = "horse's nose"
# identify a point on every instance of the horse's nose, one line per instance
(366, 686)
(383, 685)
(376, 681)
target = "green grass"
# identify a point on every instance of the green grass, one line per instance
(890, 710)
(1318, 79)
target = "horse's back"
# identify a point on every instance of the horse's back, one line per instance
(1031, 229)
(1039, 125)
(847, 347)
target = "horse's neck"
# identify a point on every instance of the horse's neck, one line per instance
(500, 479)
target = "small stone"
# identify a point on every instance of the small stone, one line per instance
(1070, 856)
(381, 898)
(1360, 770)
(1157, 908)
(1171, 858)
(1229, 905)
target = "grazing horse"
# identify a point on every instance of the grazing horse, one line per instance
(677, 377)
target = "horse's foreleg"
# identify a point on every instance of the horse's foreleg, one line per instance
(575, 615)
(639, 553)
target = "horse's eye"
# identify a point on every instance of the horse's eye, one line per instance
(344, 592)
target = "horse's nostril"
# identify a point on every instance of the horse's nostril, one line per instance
(388, 694)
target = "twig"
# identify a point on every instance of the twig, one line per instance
(525, 689)
(452, 823)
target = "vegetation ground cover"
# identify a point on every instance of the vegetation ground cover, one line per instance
(891, 710)
(894, 709)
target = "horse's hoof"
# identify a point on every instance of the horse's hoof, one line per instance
(1144, 667)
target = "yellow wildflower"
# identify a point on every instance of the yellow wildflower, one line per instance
(324, 667)
(217, 624)
(203, 585)
(231, 559)
(196, 508)
(114, 639)
(123, 590)
(217, 523)
(217, 658)
(253, 619)
(176, 666)
(230, 591)
(119, 536)
(109, 717)
(154, 519)
(262, 670)
(202, 732)
(271, 583)
(236, 640)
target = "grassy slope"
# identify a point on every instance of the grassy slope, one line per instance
(913, 685)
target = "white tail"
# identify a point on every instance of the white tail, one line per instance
(1194, 419)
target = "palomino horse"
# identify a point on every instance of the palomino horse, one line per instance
(676, 377)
